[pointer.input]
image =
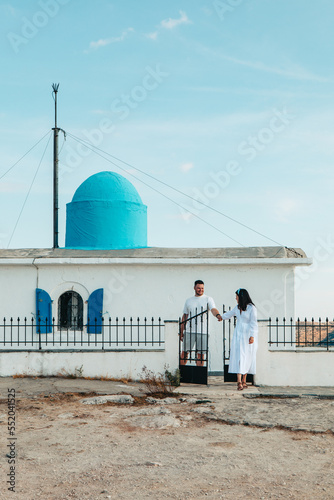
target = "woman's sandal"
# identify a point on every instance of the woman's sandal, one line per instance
(244, 385)
(240, 386)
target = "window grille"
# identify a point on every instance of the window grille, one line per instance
(70, 311)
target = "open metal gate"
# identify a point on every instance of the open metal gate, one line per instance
(193, 348)
(228, 329)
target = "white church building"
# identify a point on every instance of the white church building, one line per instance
(108, 304)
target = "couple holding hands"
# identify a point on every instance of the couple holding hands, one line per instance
(244, 341)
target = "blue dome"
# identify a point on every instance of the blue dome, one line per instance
(107, 186)
(106, 213)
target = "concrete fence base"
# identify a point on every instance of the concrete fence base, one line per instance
(109, 364)
(304, 367)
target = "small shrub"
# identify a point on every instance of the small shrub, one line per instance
(78, 373)
(161, 383)
(175, 379)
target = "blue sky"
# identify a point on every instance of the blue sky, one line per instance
(229, 101)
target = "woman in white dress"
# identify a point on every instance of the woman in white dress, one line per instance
(244, 340)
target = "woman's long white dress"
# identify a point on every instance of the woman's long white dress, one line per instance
(242, 353)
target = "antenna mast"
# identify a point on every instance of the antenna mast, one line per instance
(55, 87)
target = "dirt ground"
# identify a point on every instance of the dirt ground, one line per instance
(69, 450)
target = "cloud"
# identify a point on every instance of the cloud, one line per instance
(285, 208)
(152, 36)
(13, 187)
(286, 69)
(107, 41)
(7, 8)
(172, 23)
(207, 11)
(185, 167)
(99, 112)
(185, 216)
(169, 24)
(294, 71)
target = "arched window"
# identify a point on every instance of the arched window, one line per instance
(70, 311)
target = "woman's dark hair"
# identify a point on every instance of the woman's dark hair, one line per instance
(244, 299)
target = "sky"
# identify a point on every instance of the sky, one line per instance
(228, 101)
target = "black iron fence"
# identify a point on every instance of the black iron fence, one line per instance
(115, 334)
(228, 329)
(194, 333)
(285, 334)
(297, 333)
(193, 347)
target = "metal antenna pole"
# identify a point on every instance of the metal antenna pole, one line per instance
(55, 87)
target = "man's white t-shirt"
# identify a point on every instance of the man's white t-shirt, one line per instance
(195, 305)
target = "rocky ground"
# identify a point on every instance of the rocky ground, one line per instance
(216, 445)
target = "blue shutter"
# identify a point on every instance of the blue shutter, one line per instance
(43, 311)
(95, 306)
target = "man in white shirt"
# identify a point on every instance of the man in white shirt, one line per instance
(194, 331)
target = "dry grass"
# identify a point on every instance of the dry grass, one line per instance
(159, 385)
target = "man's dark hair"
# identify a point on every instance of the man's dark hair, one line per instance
(199, 282)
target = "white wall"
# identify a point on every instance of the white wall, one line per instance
(150, 287)
(293, 367)
(17, 293)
